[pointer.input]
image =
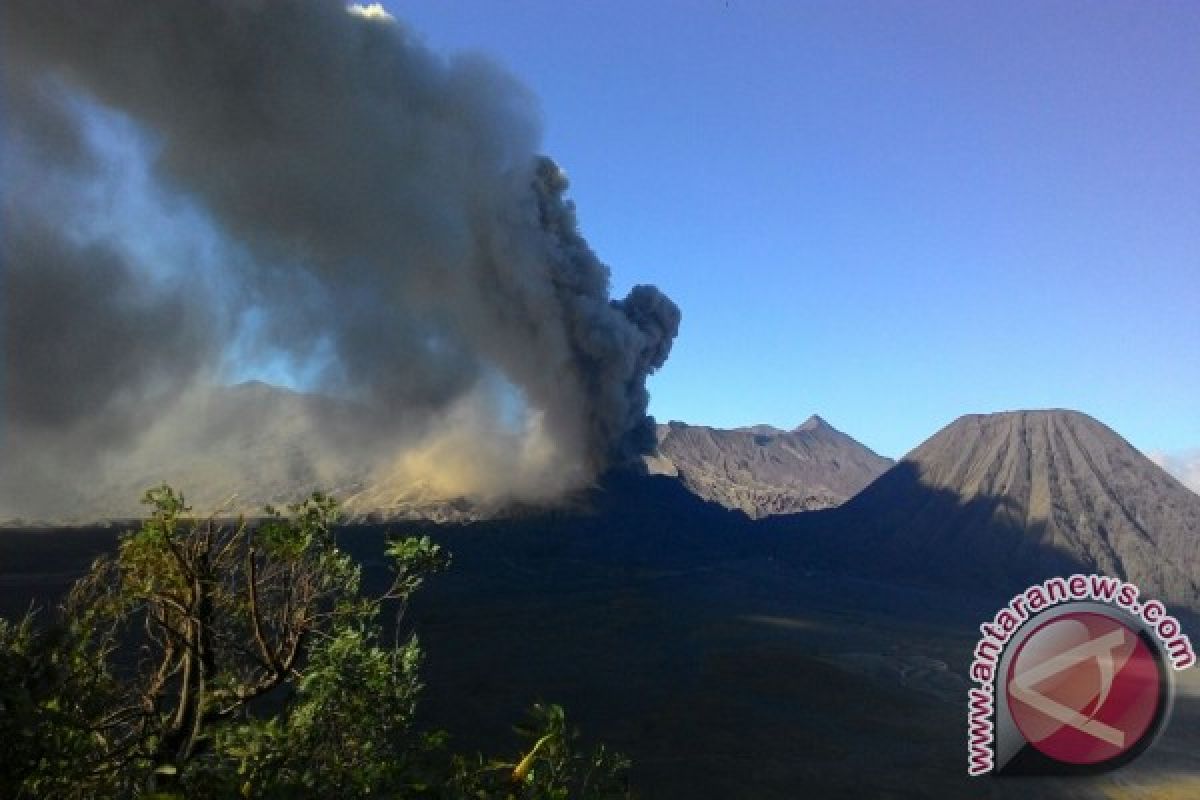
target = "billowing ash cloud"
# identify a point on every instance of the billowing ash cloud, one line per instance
(197, 188)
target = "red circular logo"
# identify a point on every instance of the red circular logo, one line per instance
(1084, 688)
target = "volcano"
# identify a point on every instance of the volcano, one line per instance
(762, 470)
(1002, 499)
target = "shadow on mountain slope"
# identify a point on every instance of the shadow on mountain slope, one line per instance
(900, 529)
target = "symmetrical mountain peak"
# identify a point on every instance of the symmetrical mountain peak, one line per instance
(1025, 494)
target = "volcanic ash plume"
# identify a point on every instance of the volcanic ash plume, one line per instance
(196, 192)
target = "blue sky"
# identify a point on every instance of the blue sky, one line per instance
(887, 213)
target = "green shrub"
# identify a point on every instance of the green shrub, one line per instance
(209, 659)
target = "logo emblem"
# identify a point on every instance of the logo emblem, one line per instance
(1085, 689)
(1074, 676)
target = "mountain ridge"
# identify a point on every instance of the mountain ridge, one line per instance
(762, 470)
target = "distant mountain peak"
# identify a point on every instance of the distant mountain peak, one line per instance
(762, 470)
(813, 423)
(1061, 414)
(1017, 495)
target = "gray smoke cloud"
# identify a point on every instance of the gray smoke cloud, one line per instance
(319, 190)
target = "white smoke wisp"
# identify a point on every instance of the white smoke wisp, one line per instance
(203, 188)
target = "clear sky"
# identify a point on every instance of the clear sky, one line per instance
(888, 213)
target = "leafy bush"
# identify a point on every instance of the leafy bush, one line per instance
(207, 659)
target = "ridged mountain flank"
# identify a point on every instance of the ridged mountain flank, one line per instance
(1023, 495)
(761, 470)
